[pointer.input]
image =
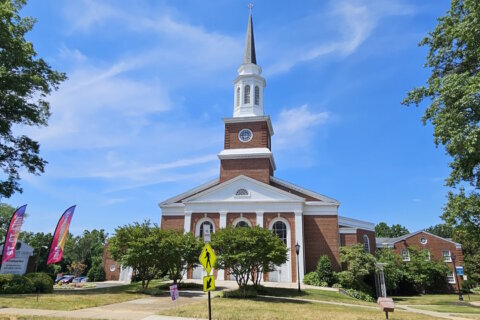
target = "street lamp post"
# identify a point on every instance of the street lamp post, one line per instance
(38, 256)
(297, 251)
(460, 296)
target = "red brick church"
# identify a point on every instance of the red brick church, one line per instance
(248, 193)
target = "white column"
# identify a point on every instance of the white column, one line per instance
(299, 240)
(223, 224)
(187, 222)
(259, 218)
(223, 219)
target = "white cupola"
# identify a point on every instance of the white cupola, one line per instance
(249, 85)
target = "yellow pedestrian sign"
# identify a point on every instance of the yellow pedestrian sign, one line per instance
(208, 283)
(207, 258)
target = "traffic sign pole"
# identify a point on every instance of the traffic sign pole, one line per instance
(209, 307)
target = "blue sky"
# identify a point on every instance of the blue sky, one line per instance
(139, 119)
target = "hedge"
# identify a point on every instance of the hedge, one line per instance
(41, 281)
(10, 284)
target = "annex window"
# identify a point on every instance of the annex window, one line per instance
(427, 254)
(450, 277)
(238, 97)
(246, 94)
(405, 255)
(366, 243)
(257, 95)
(242, 224)
(280, 230)
(447, 256)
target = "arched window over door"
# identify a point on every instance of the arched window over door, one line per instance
(279, 228)
(205, 225)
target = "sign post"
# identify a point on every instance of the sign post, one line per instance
(207, 260)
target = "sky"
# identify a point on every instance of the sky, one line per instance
(140, 117)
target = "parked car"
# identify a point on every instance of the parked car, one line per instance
(79, 279)
(67, 279)
(58, 278)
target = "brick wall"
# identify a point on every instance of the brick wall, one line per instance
(347, 240)
(260, 137)
(321, 238)
(107, 263)
(172, 223)
(435, 245)
(258, 169)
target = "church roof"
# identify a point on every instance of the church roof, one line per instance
(389, 242)
(249, 54)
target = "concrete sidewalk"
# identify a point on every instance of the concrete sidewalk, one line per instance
(145, 308)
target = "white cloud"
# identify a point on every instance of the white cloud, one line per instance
(295, 126)
(351, 22)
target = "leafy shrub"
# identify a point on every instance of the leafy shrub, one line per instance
(312, 279)
(324, 270)
(41, 281)
(359, 295)
(337, 285)
(323, 284)
(345, 279)
(10, 283)
(96, 273)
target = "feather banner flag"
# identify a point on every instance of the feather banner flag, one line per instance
(12, 234)
(60, 236)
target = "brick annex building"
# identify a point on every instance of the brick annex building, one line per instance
(247, 193)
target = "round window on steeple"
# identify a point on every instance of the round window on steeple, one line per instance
(245, 135)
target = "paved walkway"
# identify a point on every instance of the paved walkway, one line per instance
(140, 309)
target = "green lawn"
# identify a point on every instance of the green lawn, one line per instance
(262, 309)
(80, 299)
(447, 303)
(312, 294)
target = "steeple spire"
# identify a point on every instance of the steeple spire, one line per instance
(249, 54)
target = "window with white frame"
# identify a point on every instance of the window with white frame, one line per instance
(447, 256)
(279, 228)
(450, 277)
(405, 255)
(428, 257)
(366, 243)
(257, 95)
(241, 192)
(246, 94)
(205, 225)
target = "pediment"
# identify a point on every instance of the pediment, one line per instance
(244, 189)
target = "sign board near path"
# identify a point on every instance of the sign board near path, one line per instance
(174, 292)
(206, 235)
(208, 283)
(207, 258)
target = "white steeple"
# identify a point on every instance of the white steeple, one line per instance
(249, 85)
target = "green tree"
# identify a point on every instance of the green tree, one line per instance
(442, 230)
(25, 81)
(324, 270)
(463, 212)
(6, 212)
(452, 95)
(360, 265)
(179, 252)
(40, 242)
(138, 245)
(424, 274)
(396, 230)
(393, 270)
(248, 252)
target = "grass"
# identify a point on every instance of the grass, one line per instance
(80, 299)
(16, 317)
(311, 294)
(447, 303)
(262, 309)
(450, 308)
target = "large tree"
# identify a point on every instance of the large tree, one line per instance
(384, 230)
(25, 81)
(452, 93)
